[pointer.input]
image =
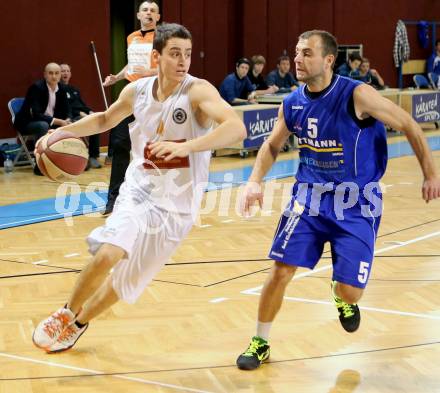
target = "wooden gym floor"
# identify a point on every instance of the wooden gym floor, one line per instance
(187, 329)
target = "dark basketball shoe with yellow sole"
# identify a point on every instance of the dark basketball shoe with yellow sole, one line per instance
(349, 314)
(257, 353)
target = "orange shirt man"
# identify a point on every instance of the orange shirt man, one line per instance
(139, 46)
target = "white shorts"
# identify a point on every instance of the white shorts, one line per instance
(149, 238)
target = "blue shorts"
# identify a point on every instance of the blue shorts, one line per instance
(304, 228)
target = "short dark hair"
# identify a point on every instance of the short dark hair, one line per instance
(354, 56)
(329, 43)
(149, 1)
(283, 58)
(242, 60)
(166, 31)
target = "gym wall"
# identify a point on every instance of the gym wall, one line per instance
(36, 32)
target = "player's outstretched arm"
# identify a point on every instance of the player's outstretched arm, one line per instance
(102, 121)
(208, 106)
(368, 102)
(266, 157)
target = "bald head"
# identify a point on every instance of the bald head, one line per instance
(51, 66)
(52, 74)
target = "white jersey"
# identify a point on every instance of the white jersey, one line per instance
(175, 186)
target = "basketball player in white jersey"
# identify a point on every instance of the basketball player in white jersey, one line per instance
(164, 185)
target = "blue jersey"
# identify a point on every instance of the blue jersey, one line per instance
(333, 146)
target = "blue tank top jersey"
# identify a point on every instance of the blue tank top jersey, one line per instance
(333, 147)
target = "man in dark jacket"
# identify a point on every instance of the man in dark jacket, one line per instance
(282, 77)
(45, 105)
(236, 88)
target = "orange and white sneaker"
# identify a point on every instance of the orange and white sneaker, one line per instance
(68, 338)
(49, 330)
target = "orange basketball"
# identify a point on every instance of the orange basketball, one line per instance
(61, 156)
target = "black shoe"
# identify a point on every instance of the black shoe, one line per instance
(37, 171)
(257, 352)
(108, 209)
(349, 314)
(94, 163)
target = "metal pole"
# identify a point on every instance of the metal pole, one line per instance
(99, 73)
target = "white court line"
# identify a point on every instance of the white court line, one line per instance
(218, 300)
(205, 226)
(90, 371)
(415, 240)
(38, 262)
(382, 310)
(75, 254)
(227, 221)
(252, 291)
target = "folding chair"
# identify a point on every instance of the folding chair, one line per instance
(23, 156)
(433, 79)
(421, 82)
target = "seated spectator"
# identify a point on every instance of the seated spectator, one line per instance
(350, 69)
(282, 77)
(79, 110)
(433, 62)
(237, 89)
(45, 106)
(256, 77)
(370, 76)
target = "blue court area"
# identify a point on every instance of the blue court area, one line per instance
(83, 203)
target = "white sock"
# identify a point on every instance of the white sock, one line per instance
(334, 290)
(263, 330)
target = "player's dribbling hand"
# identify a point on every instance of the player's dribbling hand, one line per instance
(252, 193)
(431, 189)
(50, 131)
(169, 150)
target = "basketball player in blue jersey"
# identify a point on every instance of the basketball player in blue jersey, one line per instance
(336, 197)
